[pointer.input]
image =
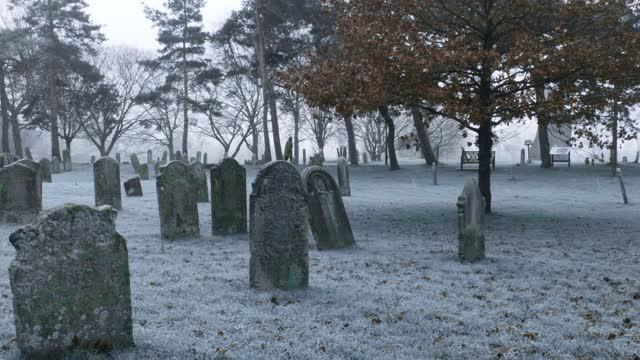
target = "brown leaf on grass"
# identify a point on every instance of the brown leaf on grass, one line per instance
(612, 336)
(498, 350)
(323, 348)
(530, 335)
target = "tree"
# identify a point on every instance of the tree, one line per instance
(320, 127)
(180, 32)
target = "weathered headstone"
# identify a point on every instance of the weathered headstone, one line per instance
(66, 160)
(118, 158)
(35, 167)
(365, 158)
(328, 218)
(586, 162)
(20, 194)
(143, 171)
(343, 177)
(316, 160)
(156, 168)
(199, 174)
(45, 170)
(177, 202)
(304, 156)
(279, 225)
(55, 165)
(132, 187)
(70, 284)
(471, 223)
(434, 171)
(637, 157)
(165, 158)
(135, 162)
(199, 156)
(229, 198)
(149, 157)
(625, 159)
(204, 159)
(106, 183)
(27, 153)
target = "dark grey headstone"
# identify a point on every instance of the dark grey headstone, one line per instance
(204, 159)
(156, 167)
(471, 223)
(45, 170)
(20, 196)
(35, 167)
(328, 218)
(343, 177)
(70, 284)
(279, 224)
(229, 198)
(304, 156)
(177, 202)
(106, 183)
(178, 156)
(66, 160)
(132, 187)
(365, 158)
(165, 158)
(200, 181)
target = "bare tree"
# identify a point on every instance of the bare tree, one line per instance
(370, 131)
(319, 127)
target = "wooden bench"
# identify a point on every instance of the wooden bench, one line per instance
(561, 155)
(473, 157)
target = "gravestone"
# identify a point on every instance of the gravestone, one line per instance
(55, 165)
(66, 160)
(328, 218)
(637, 157)
(35, 167)
(365, 158)
(165, 158)
(70, 284)
(178, 155)
(135, 162)
(471, 223)
(132, 187)
(316, 160)
(185, 158)
(177, 202)
(522, 157)
(304, 156)
(343, 177)
(625, 160)
(434, 171)
(204, 159)
(20, 196)
(279, 224)
(143, 171)
(200, 181)
(45, 170)
(106, 183)
(149, 157)
(156, 167)
(27, 153)
(199, 156)
(229, 198)
(118, 158)
(93, 159)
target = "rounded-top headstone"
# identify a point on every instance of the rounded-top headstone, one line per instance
(177, 201)
(229, 198)
(106, 181)
(20, 194)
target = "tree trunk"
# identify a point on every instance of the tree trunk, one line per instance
(4, 105)
(52, 86)
(351, 140)
(17, 137)
(68, 144)
(255, 139)
(296, 129)
(485, 145)
(545, 146)
(614, 139)
(423, 137)
(185, 83)
(275, 128)
(264, 79)
(172, 154)
(391, 138)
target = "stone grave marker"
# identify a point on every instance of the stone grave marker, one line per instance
(343, 177)
(106, 183)
(133, 187)
(66, 160)
(199, 174)
(45, 170)
(471, 223)
(20, 194)
(177, 202)
(229, 198)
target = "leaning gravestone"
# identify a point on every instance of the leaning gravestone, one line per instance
(328, 218)
(66, 160)
(143, 171)
(20, 196)
(45, 169)
(471, 223)
(70, 284)
(27, 153)
(279, 224)
(135, 162)
(118, 158)
(177, 202)
(200, 181)
(55, 165)
(343, 177)
(229, 198)
(106, 183)
(132, 187)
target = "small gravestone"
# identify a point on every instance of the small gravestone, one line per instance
(177, 202)
(328, 218)
(149, 157)
(434, 171)
(192, 160)
(365, 158)
(200, 181)
(118, 158)
(143, 171)
(204, 159)
(471, 223)
(637, 157)
(135, 162)
(132, 187)
(55, 165)
(106, 183)
(625, 160)
(279, 225)
(229, 198)
(522, 157)
(586, 162)
(304, 156)
(156, 168)
(66, 160)
(45, 170)
(35, 167)
(316, 160)
(93, 159)
(199, 156)
(70, 284)
(20, 194)
(27, 153)
(343, 177)
(165, 158)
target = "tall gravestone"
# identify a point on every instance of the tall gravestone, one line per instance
(45, 170)
(143, 171)
(365, 158)
(204, 159)
(304, 156)
(471, 223)
(118, 158)
(343, 177)
(178, 155)
(66, 160)
(156, 167)
(177, 202)
(106, 182)
(135, 162)
(20, 196)
(229, 198)
(70, 284)
(328, 218)
(27, 153)
(279, 224)
(55, 165)
(200, 181)
(35, 167)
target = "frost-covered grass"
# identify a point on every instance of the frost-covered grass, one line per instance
(562, 278)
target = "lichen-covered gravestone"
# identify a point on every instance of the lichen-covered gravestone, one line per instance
(45, 170)
(106, 182)
(135, 162)
(279, 224)
(343, 177)
(471, 223)
(143, 171)
(66, 160)
(177, 202)
(328, 218)
(200, 181)
(20, 196)
(229, 198)
(55, 165)
(132, 187)
(70, 284)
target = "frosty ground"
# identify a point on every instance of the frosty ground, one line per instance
(561, 281)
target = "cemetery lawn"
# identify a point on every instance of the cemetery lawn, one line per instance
(561, 279)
